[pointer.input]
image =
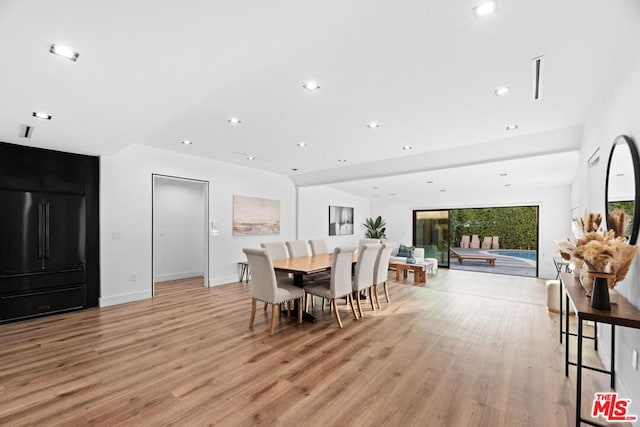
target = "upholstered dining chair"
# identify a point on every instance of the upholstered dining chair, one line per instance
(265, 287)
(363, 279)
(318, 247)
(381, 270)
(339, 285)
(278, 251)
(363, 242)
(298, 248)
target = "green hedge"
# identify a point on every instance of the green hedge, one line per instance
(517, 227)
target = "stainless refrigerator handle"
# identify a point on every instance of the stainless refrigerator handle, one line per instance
(46, 233)
(40, 229)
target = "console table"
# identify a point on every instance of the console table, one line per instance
(621, 314)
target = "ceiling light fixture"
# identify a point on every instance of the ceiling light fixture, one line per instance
(234, 121)
(294, 169)
(311, 86)
(250, 158)
(502, 91)
(373, 125)
(512, 127)
(429, 182)
(503, 174)
(485, 8)
(186, 142)
(64, 51)
(443, 190)
(302, 144)
(376, 187)
(407, 148)
(507, 185)
(342, 160)
(393, 194)
(41, 115)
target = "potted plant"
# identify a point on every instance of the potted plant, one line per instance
(375, 228)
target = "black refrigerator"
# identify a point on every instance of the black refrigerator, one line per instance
(43, 237)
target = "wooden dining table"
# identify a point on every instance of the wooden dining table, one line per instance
(302, 266)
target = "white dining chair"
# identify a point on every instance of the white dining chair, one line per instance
(318, 247)
(382, 270)
(363, 279)
(339, 284)
(298, 248)
(265, 287)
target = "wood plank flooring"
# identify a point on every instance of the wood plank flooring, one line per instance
(464, 349)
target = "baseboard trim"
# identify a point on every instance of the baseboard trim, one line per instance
(124, 298)
(225, 280)
(177, 276)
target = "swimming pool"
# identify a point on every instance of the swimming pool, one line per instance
(518, 253)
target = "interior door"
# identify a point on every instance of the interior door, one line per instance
(65, 230)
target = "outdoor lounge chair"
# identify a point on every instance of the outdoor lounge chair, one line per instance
(486, 243)
(491, 260)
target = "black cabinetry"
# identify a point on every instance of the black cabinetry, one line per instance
(49, 228)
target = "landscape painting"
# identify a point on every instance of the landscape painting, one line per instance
(340, 220)
(253, 216)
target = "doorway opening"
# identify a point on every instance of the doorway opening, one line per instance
(180, 231)
(501, 240)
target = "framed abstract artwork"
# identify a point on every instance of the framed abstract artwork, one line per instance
(340, 220)
(253, 216)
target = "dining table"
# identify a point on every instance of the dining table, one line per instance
(303, 266)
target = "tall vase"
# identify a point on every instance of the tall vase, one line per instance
(600, 293)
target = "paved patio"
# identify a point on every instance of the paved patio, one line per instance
(504, 264)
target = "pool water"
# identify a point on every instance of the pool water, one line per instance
(518, 253)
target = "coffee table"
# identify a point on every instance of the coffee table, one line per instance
(402, 268)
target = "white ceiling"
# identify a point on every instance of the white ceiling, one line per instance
(156, 72)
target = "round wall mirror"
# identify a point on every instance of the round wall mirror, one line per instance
(622, 190)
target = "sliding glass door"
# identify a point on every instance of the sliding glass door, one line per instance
(431, 232)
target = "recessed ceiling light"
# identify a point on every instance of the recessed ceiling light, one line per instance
(485, 8)
(373, 125)
(507, 185)
(234, 121)
(375, 188)
(302, 144)
(250, 158)
(311, 86)
(294, 169)
(407, 148)
(186, 142)
(342, 160)
(429, 182)
(620, 174)
(41, 115)
(443, 190)
(503, 174)
(64, 51)
(502, 91)
(539, 182)
(393, 194)
(512, 127)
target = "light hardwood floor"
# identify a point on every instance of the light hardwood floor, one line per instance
(464, 349)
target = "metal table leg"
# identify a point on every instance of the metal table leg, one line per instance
(579, 375)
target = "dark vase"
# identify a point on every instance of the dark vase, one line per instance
(600, 293)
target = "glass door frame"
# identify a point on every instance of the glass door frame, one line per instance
(447, 241)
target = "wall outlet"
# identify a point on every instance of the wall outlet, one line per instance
(132, 277)
(634, 359)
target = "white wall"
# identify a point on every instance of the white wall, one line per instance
(179, 229)
(554, 212)
(617, 115)
(313, 214)
(125, 205)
